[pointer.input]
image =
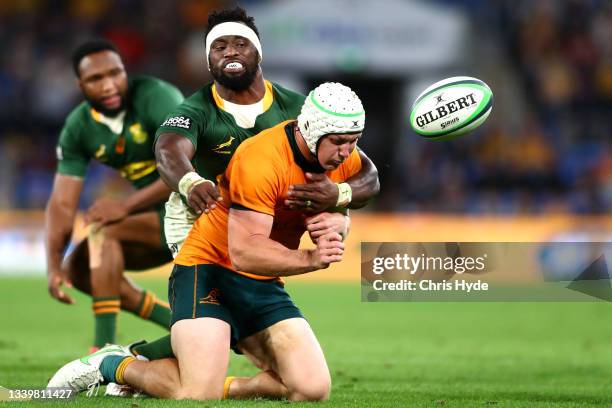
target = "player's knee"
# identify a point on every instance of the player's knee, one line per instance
(312, 390)
(199, 394)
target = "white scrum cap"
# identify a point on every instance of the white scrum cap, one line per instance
(330, 108)
(233, 28)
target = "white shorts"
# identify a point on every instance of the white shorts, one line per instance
(177, 223)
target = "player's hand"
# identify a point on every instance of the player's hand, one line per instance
(329, 249)
(203, 197)
(55, 280)
(319, 194)
(106, 211)
(324, 223)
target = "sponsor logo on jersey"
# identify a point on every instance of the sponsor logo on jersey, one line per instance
(220, 147)
(138, 133)
(178, 121)
(100, 152)
(137, 170)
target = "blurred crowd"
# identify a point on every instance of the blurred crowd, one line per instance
(558, 158)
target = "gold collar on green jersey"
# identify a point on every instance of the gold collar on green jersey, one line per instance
(267, 99)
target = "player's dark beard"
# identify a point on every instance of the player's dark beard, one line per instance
(235, 83)
(107, 112)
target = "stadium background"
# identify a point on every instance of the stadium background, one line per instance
(539, 169)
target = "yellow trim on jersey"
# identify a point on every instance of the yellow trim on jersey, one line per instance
(268, 96)
(137, 170)
(96, 115)
(267, 99)
(217, 98)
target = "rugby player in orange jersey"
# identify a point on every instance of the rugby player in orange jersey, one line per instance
(225, 288)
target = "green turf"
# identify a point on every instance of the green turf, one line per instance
(380, 355)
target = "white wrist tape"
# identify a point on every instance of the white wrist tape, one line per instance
(345, 194)
(189, 181)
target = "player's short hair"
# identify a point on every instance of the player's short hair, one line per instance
(237, 14)
(90, 47)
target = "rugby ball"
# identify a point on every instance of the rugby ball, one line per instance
(451, 108)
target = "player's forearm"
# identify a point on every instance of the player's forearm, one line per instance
(173, 155)
(59, 221)
(173, 168)
(144, 198)
(365, 184)
(263, 256)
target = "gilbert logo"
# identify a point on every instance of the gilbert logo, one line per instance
(212, 298)
(445, 110)
(178, 121)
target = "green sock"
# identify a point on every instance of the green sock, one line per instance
(155, 350)
(112, 368)
(105, 310)
(150, 308)
(108, 367)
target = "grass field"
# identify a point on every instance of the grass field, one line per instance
(380, 355)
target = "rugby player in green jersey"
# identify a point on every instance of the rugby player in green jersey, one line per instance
(115, 125)
(197, 140)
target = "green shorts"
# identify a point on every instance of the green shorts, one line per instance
(248, 305)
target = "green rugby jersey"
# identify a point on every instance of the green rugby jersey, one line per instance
(215, 133)
(86, 136)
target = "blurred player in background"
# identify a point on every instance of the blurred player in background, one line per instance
(115, 125)
(225, 287)
(197, 140)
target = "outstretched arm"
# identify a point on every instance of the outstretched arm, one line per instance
(173, 153)
(59, 220)
(251, 249)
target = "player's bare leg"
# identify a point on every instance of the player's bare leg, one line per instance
(202, 349)
(158, 378)
(97, 264)
(136, 257)
(265, 384)
(291, 351)
(106, 256)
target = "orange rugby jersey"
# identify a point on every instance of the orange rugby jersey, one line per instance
(258, 178)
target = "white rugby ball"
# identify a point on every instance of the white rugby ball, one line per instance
(451, 108)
